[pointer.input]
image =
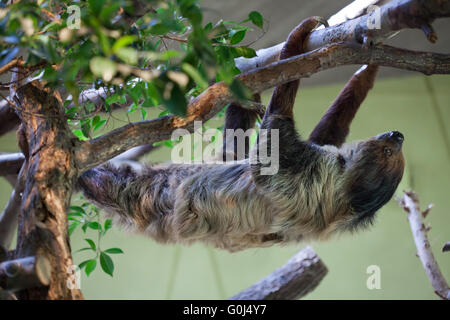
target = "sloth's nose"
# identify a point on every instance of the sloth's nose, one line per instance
(396, 136)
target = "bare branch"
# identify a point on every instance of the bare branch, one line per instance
(410, 203)
(210, 102)
(11, 163)
(299, 276)
(8, 118)
(394, 16)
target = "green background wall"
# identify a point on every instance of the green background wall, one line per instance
(151, 271)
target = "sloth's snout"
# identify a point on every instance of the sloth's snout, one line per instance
(394, 137)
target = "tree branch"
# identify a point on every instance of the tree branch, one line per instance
(394, 16)
(10, 163)
(25, 273)
(410, 203)
(9, 216)
(299, 276)
(210, 102)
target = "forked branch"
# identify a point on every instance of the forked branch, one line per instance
(410, 203)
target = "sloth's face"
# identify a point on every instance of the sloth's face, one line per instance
(373, 170)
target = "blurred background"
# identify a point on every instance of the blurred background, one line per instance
(416, 105)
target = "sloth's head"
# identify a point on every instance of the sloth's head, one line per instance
(374, 168)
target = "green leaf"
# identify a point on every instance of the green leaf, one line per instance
(116, 98)
(256, 18)
(143, 113)
(123, 42)
(106, 263)
(177, 103)
(90, 266)
(114, 251)
(91, 244)
(195, 75)
(79, 134)
(83, 264)
(107, 225)
(77, 209)
(237, 37)
(84, 227)
(97, 123)
(73, 226)
(245, 52)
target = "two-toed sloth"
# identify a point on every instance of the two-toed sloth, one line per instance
(322, 186)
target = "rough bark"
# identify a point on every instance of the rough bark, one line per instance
(50, 176)
(299, 276)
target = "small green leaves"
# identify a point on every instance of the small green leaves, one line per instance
(94, 225)
(106, 263)
(87, 215)
(107, 225)
(256, 18)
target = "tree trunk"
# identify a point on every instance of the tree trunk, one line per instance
(50, 173)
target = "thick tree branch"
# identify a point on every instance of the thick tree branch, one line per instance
(299, 276)
(50, 175)
(410, 203)
(210, 102)
(394, 16)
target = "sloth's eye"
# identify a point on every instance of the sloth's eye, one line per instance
(387, 151)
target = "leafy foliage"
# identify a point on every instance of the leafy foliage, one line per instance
(164, 57)
(143, 54)
(87, 217)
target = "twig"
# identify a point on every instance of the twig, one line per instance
(410, 203)
(299, 276)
